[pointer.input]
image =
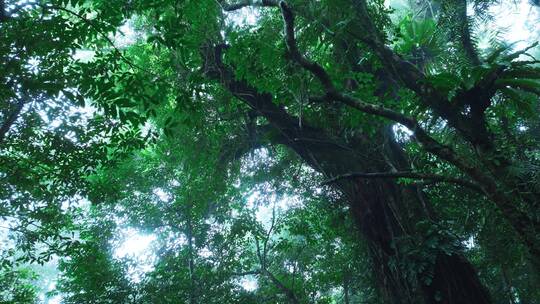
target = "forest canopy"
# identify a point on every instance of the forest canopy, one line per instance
(268, 151)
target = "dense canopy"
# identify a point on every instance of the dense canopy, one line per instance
(266, 151)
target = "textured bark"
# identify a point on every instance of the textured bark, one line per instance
(378, 208)
(491, 169)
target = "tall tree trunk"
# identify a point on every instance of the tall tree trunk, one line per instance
(386, 214)
(384, 211)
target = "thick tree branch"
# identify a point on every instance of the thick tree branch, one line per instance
(288, 127)
(320, 73)
(406, 174)
(401, 69)
(314, 155)
(428, 142)
(317, 70)
(229, 7)
(415, 80)
(474, 130)
(246, 273)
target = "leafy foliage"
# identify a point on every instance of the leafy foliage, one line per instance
(316, 152)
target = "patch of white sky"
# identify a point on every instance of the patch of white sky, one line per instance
(469, 243)
(249, 283)
(162, 194)
(6, 226)
(516, 21)
(47, 280)
(136, 246)
(139, 247)
(246, 16)
(84, 113)
(127, 35)
(263, 198)
(264, 205)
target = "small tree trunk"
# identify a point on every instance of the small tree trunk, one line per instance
(191, 264)
(346, 282)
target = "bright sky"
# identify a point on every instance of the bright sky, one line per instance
(137, 246)
(518, 21)
(134, 244)
(249, 283)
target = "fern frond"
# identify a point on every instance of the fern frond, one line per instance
(493, 56)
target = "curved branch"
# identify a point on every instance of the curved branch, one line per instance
(246, 273)
(429, 143)
(320, 73)
(229, 7)
(317, 70)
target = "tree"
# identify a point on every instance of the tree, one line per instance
(331, 81)
(17, 286)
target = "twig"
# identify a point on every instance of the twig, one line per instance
(405, 174)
